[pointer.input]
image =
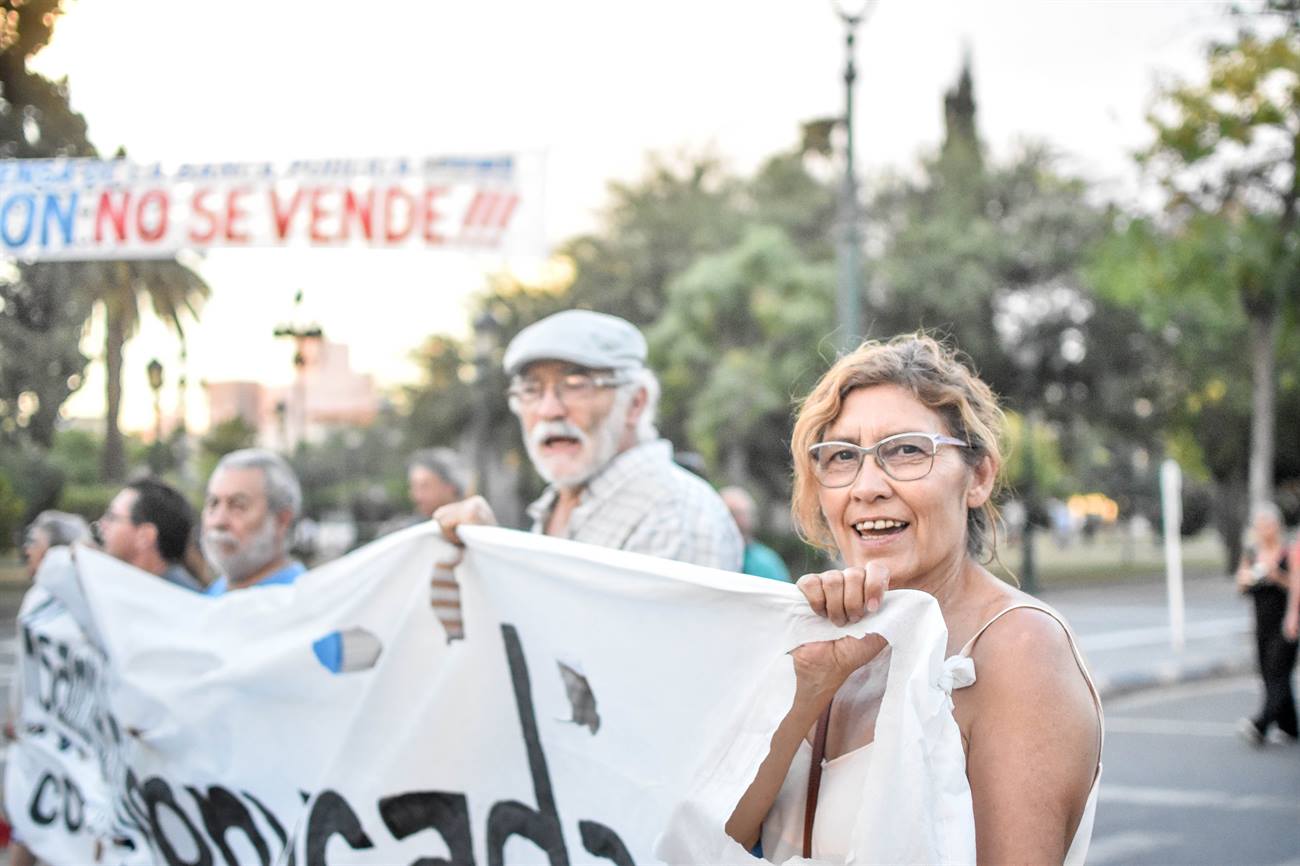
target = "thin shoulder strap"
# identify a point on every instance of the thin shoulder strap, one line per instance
(1074, 648)
(815, 779)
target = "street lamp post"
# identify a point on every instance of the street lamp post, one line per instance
(302, 335)
(155, 371)
(848, 260)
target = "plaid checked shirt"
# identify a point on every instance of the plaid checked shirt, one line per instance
(643, 502)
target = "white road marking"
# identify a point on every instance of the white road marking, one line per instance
(1134, 637)
(1184, 798)
(1203, 688)
(1165, 727)
(1123, 847)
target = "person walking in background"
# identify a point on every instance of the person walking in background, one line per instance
(760, 560)
(1291, 622)
(148, 525)
(1264, 576)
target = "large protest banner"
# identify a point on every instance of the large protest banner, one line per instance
(601, 707)
(74, 209)
(211, 718)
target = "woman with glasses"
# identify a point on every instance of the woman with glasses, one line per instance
(896, 459)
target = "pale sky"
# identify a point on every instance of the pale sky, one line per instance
(596, 84)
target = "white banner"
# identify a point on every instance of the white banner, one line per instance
(75, 209)
(602, 706)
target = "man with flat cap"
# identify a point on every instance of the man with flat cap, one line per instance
(586, 403)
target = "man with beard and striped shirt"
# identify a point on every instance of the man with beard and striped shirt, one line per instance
(586, 403)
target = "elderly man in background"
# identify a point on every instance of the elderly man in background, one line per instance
(148, 525)
(434, 477)
(586, 403)
(52, 529)
(760, 560)
(252, 502)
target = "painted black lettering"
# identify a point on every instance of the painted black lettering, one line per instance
(446, 814)
(331, 815)
(37, 814)
(132, 804)
(46, 693)
(157, 794)
(601, 841)
(74, 806)
(276, 826)
(541, 826)
(222, 812)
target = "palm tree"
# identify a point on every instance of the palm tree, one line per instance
(171, 289)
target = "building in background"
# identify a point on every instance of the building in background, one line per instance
(326, 394)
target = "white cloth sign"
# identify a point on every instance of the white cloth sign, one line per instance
(96, 209)
(602, 706)
(215, 716)
(55, 790)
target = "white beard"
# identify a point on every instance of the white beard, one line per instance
(244, 562)
(597, 449)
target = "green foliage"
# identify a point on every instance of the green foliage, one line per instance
(12, 509)
(1050, 471)
(42, 306)
(88, 500)
(42, 314)
(36, 480)
(738, 339)
(230, 435)
(76, 453)
(173, 291)
(652, 231)
(353, 470)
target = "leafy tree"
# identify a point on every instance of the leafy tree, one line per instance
(1227, 152)
(173, 291)
(42, 317)
(230, 435)
(11, 513)
(742, 334)
(652, 231)
(41, 307)
(1173, 279)
(40, 364)
(995, 256)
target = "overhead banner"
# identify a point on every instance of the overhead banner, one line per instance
(78, 209)
(602, 707)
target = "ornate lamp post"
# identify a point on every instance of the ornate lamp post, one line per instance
(849, 243)
(301, 333)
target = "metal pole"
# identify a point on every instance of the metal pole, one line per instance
(849, 296)
(1171, 505)
(1028, 561)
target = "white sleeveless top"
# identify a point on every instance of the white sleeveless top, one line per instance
(842, 779)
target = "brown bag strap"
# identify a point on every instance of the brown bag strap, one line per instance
(815, 779)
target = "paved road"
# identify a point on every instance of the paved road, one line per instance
(1180, 787)
(1124, 631)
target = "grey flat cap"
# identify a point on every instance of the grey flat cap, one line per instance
(580, 337)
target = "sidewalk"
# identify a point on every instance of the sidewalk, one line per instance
(1123, 630)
